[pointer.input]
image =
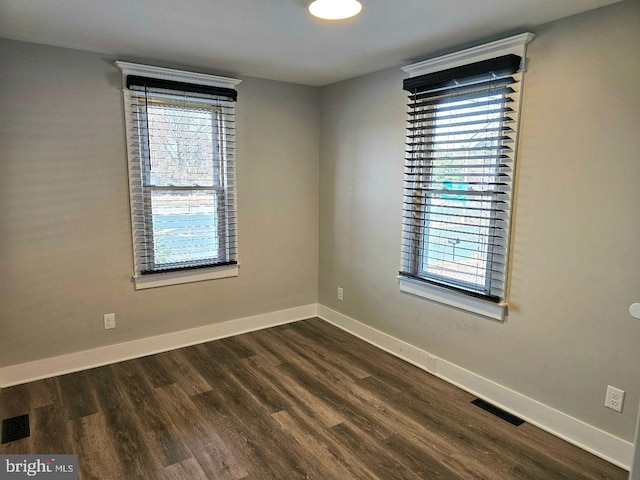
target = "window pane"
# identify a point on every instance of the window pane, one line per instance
(455, 242)
(457, 224)
(181, 146)
(185, 226)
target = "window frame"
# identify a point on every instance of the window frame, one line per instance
(454, 294)
(217, 190)
(181, 273)
(422, 240)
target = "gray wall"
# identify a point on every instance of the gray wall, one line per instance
(576, 244)
(65, 248)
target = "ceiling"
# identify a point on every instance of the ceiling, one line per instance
(275, 39)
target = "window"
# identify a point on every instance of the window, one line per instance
(459, 169)
(181, 175)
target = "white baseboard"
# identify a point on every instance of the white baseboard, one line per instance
(600, 443)
(73, 362)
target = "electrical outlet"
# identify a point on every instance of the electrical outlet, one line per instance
(340, 293)
(109, 321)
(615, 398)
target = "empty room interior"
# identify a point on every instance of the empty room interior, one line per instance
(330, 239)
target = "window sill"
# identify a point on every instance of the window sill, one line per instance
(444, 296)
(186, 276)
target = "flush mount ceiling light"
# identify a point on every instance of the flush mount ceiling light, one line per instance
(335, 9)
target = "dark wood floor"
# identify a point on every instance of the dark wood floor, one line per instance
(302, 401)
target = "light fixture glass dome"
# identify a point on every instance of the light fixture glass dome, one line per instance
(335, 9)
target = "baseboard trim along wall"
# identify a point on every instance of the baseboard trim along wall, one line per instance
(600, 443)
(74, 362)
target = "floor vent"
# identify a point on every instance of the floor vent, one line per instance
(498, 412)
(15, 428)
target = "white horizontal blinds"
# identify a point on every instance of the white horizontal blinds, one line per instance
(182, 175)
(461, 145)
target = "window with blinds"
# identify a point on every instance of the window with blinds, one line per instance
(181, 144)
(459, 170)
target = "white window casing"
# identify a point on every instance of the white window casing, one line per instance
(180, 130)
(462, 133)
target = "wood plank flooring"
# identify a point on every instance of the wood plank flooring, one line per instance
(301, 401)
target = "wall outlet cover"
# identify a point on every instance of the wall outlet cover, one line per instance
(109, 321)
(615, 399)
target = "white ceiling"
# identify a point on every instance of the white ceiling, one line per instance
(275, 39)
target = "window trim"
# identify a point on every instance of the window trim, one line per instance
(467, 301)
(160, 278)
(163, 279)
(516, 45)
(453, 298)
